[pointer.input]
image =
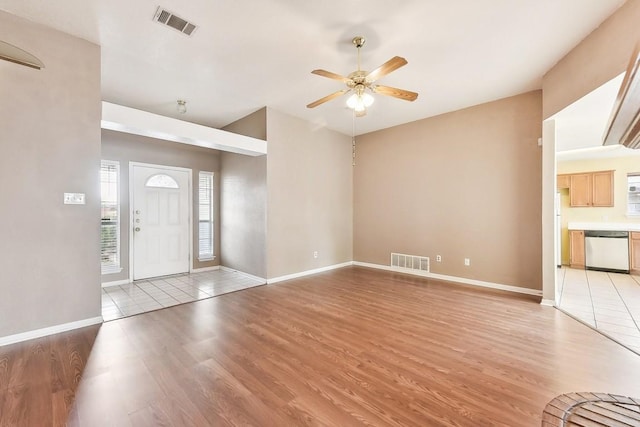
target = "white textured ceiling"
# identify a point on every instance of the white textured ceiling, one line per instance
(247, 54)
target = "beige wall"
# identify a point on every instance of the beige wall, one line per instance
(278, 209)
(243, 202)
(127, 148)
(50, 139)
(465, 184)
(310, 196)
(253, 125)
(597, 59)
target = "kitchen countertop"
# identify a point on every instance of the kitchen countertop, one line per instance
(605, 226)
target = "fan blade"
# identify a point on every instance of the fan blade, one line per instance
(389, 66)
(395, 92)
(330, 75)
(328, 98)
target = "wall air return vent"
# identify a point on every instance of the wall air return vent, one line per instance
(167, 18)
(402, 262)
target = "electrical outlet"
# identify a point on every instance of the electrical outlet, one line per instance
(467, 262)
(315, 254)
(438, 258)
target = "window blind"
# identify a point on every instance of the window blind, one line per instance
(205, 216)
(110, 216)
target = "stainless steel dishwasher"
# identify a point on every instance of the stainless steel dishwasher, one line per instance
(607, 250)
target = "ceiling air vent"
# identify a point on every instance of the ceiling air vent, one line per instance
(167, 18)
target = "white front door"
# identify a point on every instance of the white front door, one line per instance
(159, 220)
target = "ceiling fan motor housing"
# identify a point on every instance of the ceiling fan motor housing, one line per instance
(358, 41)
(357, 78)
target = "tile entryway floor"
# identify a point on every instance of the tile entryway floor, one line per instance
(608, 302)
(161, 292)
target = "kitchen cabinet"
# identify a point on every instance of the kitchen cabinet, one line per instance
(576, 248)
(580, 189)
(564, 181)
(602, 189)
(591, 189)
(634, 251)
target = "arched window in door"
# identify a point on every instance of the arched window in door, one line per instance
(161, 181)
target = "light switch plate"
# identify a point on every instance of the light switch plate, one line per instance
(74, 198)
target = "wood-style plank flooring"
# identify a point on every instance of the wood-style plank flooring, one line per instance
(349, 347)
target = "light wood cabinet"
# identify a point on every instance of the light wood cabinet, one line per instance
(591, 189)
(634, 251)
(576, 248)
(563, 181)
(580, 189)
(602, 189)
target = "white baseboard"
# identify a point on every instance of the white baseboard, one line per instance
(308, 272)
(250, 276)
(455, 279)
(203, 269)
(116, 283)
(38, 333)
(548, 302)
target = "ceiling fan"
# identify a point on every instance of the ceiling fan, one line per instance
(359, 82)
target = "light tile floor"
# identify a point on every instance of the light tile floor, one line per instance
(608, 302)
(161, 292)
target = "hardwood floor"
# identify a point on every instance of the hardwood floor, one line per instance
(349, 347)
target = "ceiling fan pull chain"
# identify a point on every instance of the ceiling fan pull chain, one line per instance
(353, 151)
(353, 138)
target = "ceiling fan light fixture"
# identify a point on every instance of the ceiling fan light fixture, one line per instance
(352, 101)
(367, 99)
(360, 101)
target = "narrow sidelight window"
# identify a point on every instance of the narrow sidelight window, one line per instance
(110, 216)
(205, 216)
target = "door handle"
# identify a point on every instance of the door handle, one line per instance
(136, 229)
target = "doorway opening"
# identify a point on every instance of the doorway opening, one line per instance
(591, 183)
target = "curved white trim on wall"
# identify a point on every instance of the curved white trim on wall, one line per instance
(250, 276)
(454, 279)
(308, 272)
(38, 333)
(203, 269)
(116, 283)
